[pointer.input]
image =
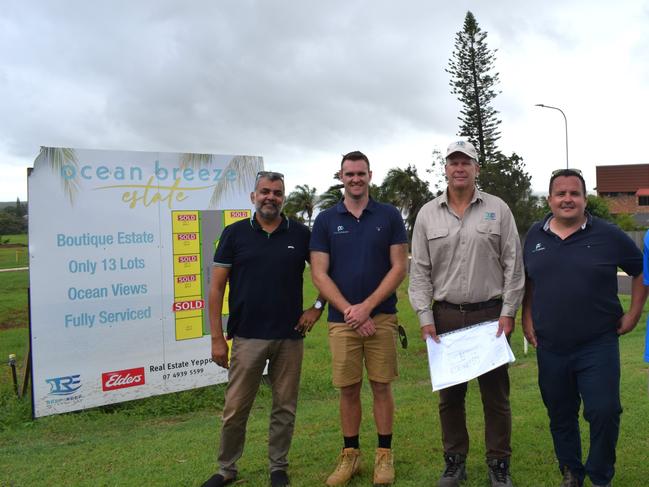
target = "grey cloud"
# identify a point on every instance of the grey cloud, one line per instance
(165, 76)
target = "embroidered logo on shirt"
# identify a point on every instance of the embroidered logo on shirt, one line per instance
(539, 247)
(340, 230)
(490, 216)
(291, 247)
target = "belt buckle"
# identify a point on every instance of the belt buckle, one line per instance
(461, 307)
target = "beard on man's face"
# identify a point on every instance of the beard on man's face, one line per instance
(268, 210)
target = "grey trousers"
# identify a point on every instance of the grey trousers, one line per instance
(247, 361)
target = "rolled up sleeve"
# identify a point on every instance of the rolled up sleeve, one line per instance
(511, 259)
(420, 288)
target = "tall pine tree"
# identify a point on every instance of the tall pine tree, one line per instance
(473, 80)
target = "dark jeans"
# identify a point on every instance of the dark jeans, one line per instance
(494, 390)
(590, 373)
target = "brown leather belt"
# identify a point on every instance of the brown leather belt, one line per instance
(467, 307)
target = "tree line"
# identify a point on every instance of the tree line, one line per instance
(474, 80)
(13, 219)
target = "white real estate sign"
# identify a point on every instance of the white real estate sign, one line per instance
(120, 249)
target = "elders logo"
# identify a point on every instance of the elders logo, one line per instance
(122, 378)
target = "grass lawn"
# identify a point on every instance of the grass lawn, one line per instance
(171, 440)
(15, 253)
(13, 299)
(20, 239)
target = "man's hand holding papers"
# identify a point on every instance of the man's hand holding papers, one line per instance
(465, 354)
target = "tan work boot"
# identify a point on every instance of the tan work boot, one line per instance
(383, 467)
(348, 464)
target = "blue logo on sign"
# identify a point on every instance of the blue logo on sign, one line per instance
(64, 386)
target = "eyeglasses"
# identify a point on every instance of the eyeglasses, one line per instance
(567, 172)
(270, 175)
(402, 337)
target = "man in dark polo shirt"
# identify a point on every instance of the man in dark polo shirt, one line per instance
(358, 259)
(264, 260)
(572, 314)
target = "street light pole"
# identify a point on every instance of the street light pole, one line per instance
(566, 123)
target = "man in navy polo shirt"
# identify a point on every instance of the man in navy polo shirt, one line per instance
(572, 315)
(645, 272)
(358, 258)
(264, 260)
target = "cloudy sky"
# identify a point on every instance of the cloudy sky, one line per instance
(301, 82)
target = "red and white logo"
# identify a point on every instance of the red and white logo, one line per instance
(188, 305)
(122, 378)
(187, 258)
(187, 278)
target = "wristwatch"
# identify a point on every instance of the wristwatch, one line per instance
(318, 304)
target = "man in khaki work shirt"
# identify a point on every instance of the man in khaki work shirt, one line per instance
(467, 261)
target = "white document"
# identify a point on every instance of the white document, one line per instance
(465, 354)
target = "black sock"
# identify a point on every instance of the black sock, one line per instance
(351, 442)
(385, 441)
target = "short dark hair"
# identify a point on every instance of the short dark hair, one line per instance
(355, 156)
(270, 175)
(567, 172)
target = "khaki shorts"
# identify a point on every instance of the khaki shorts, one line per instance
(379, 352)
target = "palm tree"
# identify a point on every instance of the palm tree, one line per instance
(303, 200)
(404, 189)
(63, 161)
(291, 211)
(245, 167)
(331, 197)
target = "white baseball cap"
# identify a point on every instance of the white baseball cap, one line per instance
(464, 147)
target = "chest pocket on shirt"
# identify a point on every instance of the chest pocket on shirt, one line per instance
(433, 233)
(489, 234)
(437, 238)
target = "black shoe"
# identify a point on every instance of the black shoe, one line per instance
(278, 478)
(455, 471)
(570, 479)
(218, 480)
(499, 472)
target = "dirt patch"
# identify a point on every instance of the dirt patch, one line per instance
(14, 319)
(12, 324)
(13, 246)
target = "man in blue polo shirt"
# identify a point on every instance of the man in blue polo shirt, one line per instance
(572, 314)
(358, 258)
(645, 272)
(264, 259)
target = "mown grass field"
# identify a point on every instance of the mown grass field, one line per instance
(13, 299)
(15, 253)
(171, 440)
